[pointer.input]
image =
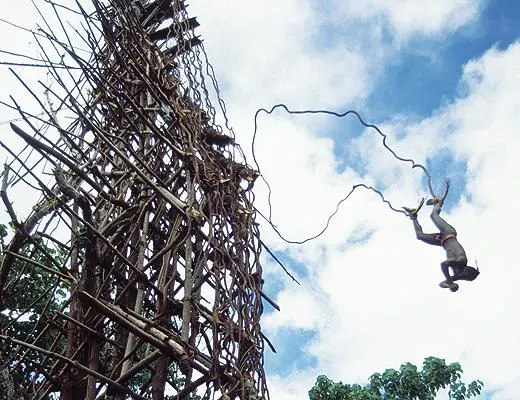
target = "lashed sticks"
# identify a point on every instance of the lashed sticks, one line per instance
(148, 235)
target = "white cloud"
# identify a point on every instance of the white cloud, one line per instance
(381, 300)
(406, 18)
(301, 310)
(266, 52)
(291, 388)
(510, 392)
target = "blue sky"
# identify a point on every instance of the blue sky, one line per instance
(441, 79)
(430, 82)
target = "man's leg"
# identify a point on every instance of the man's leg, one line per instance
(440, 223)
(430, 238)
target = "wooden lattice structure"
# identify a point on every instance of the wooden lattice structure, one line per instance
(139, 266)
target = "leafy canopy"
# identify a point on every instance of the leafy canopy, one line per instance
(407, 383)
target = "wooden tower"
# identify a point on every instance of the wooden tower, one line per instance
(137, 273)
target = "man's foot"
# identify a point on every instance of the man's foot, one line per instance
(411, 212)
(435, 200)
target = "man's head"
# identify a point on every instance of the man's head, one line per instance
(470, 273)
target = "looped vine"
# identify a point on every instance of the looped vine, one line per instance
(268, 218)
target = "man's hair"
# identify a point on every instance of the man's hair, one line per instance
(470, 273)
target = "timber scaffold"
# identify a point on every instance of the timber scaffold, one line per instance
(143, 240)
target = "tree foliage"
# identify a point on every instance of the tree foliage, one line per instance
(407, 383)
(37, 295)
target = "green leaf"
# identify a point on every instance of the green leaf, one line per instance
(409, 383)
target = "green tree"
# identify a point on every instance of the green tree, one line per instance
(407, 383)
(35, 297)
